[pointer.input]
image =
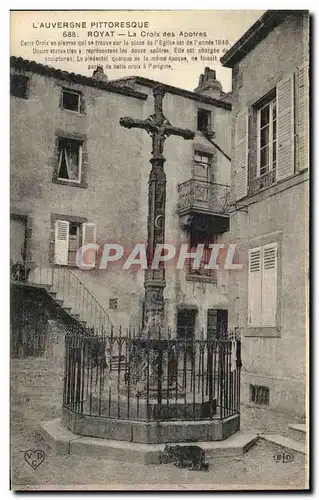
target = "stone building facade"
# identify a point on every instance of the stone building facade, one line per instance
(269, 214)
(77, 176)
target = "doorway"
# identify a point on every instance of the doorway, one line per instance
(17, 248)
(17, 238)
(186, 324)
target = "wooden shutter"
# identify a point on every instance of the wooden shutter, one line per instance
(269, 285)
(89, 236)
(241, 154)
(254, 287)
(285, 128)
(303, 117)
(61, 246)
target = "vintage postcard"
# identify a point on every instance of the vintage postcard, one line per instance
(159, 250)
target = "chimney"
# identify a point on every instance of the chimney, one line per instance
(208, 84)
(98, 74)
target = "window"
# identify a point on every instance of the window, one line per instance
(71, 100)
(186, 319)
(69, 159)
(19, 86)
(69, 237)
(203, 166)
(259, 394)
(201, 235)
(262, 286)
(113, 304)
(266, 138)
(203, 120)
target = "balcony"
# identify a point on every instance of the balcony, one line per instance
(197, 196)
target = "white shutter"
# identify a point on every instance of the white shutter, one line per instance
(61, 246)
(285, 128)
(269, 285)
(303, 117)
(241, 154)
(89, 236)
(254, 287)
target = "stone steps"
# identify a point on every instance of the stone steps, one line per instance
(286, 443)
(65, 442)
(297, 432)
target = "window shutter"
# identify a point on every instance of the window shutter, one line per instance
(89, 236)
(61, 246)
(285, 132)
(303, 117)
(269, 285)
(254, 287)
(241, 154)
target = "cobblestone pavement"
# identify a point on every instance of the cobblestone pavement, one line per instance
(36, 395)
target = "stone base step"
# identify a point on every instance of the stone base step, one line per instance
(285, 443)
(297, 432)
(65, 442)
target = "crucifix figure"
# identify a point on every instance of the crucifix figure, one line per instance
(159, 128)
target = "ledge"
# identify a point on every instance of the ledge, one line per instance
(262, 331)
(26, 65)
(202, 279)
(82, 185)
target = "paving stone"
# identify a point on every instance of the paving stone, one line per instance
(286, 443)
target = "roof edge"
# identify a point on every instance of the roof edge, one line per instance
(177, 91)
(259, 30)
(19, 62)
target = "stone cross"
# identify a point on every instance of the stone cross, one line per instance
(159, 128)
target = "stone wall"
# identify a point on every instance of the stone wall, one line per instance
(277, 361)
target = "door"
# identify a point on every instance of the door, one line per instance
(217, 322)
(17, 248)
(17, 238)
(222, 321)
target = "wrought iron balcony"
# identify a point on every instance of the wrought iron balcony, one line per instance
(203, 197)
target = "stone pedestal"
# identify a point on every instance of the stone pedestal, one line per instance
(150, 432)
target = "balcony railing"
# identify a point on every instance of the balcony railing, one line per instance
(203, 197)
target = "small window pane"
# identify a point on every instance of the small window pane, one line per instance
(201, 158)
(264, 116)
(264, 156)
(200, 170)
(264, 136)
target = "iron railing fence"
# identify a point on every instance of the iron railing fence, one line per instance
(131, 375)
(65, 286)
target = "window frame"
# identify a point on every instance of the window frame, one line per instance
(209, 120)
(80, 153)
(262, 258)
(77, 238)
(71, 220)
(210, 174)
(243, 319)
(201, 274)
(72, 91)
(270, 101)
(82, 140)
(27, 82)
